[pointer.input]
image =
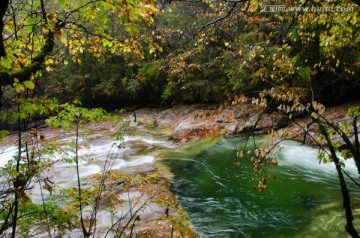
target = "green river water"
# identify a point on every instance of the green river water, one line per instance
(303, 201)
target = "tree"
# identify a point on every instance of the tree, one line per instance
(31, 32)
(331, 137)
(309, 54)
(304, 45)
(34, 36)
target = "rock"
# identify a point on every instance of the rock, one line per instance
(231, 128)
(226, 116)
(185, 124)
(242, 112)
(249, 124)
(188, 123)
(282, 122)
(237, 113)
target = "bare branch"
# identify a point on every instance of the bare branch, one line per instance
(228, 14)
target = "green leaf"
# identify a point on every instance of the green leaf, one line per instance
(29, 84)
(5, 116)
(3, 133)
(62, 2)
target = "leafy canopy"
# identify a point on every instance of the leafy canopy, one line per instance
(33, 30)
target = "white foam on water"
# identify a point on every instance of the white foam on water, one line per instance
(88, 170)
(6, 154)
(305, 157)
(66, 175)
(94, 152)
(92, 158)
(148, 141)
(134, 161)
(70, 139)
(97, 153)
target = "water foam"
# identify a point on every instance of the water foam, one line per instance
(305, 157)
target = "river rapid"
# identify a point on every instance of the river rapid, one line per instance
(145, 196)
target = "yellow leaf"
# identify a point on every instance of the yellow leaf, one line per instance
(237, 163)
(314, 115)
(49, 61)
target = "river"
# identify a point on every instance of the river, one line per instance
(303, 201)
(221, 199)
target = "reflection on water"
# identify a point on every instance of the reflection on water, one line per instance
(222, 202)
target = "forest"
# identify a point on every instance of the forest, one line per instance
(77, 63)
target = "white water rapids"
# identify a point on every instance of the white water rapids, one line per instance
(131, 156)
(306, 158)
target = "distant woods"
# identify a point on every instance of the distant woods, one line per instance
(186, 52)
(315, 54)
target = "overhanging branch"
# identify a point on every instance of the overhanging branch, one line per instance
(7, 78)
(25, 73)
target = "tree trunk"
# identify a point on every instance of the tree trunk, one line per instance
(344, 190)
(3, 8)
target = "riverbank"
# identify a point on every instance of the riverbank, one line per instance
(335, 115)
(185, 123)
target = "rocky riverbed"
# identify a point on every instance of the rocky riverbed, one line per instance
(197, 122)
(185, 123)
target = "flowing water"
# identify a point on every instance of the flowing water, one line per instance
(136, 155)
(303, 201)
